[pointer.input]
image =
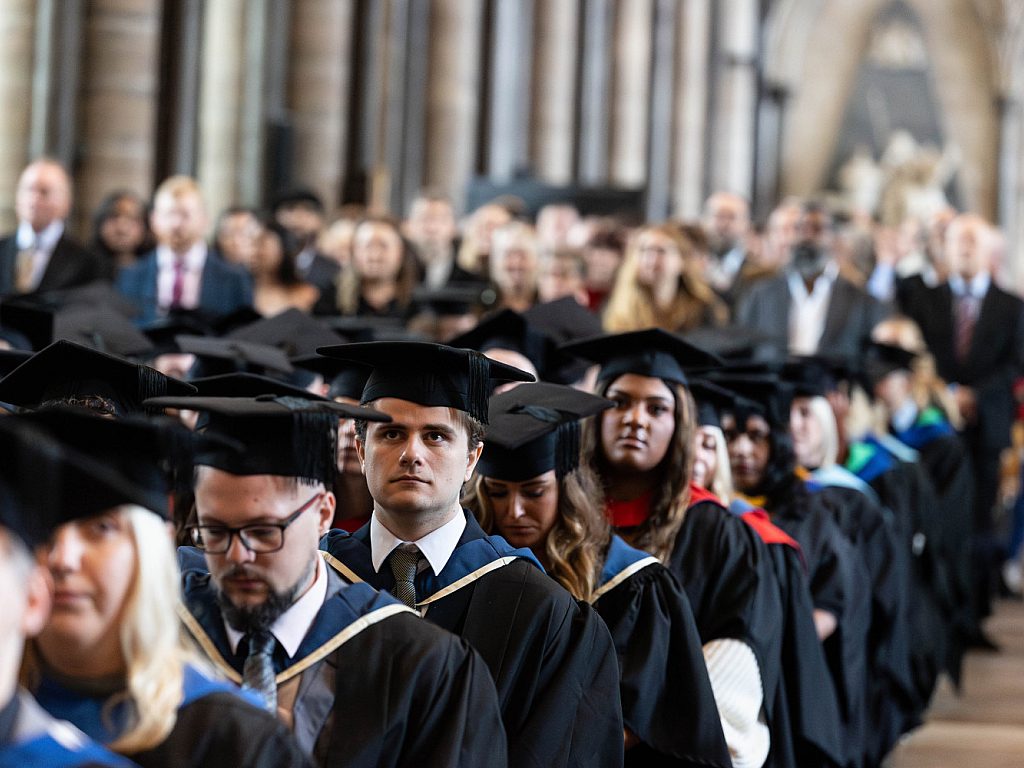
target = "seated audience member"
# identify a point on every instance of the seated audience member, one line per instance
(29, 737)
(111, 658)
(475, 251)
(731, 267)
(602, 256)
(278, 286)
(360, 679)
(513, 266)
(301, 212)
(335, 242)
(555, 223)
(561, 274)
(236, 236)
(660, 285)
(41, 255)
(382, 277)
(180, 274)
(530, 489)
(552, 658)
(432, 229)
(120, 231)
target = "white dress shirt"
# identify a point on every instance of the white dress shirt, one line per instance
(292, 625)
(809, 310)
(437, 546)
(42, 244)
(194, 260)
(976, 288)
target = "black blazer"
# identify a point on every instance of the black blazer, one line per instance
(994, 360)
(70, 265)
(850, 316)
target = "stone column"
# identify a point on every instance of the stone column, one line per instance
(554, 90)
(509, 117)
(120, 82)
(736, 100)
(16, 23)
(631, 93)
(318, 92)
(691, 108)
(221, 90)
(595, 91)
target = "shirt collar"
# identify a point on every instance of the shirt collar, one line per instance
(437, 546)
(292, 625)
(977, 287)
(903, 418)
(824, 281)
(195, 257)
(43, 241)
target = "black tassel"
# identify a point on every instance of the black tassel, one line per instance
(314, 440)
(567, 452)
(479, 385)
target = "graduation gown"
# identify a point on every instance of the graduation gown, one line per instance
(34, 739)
(372, 685)
(667, 701)
(724, 570)
(947, 461)
(551, 657)
(839, 584)
(215, 725)
(856, 509)
(806, 701)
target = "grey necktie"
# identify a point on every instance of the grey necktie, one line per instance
(258, 671)
(404, 564)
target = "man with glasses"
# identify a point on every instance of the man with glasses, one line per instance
(357, 676)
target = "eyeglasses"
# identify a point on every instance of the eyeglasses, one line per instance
(260, 538)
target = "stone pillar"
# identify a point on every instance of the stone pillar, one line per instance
(16, 24)
(120, 82)
(509, 117)
(452, 95)
(221, 93)
(631, 93)
(595, 91)
(736, 100)
(318, 92)
(554, 90)
(691, 108)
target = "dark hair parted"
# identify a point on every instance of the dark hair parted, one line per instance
(671, 496)
(575, 548)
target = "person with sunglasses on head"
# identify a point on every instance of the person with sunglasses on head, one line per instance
(112, 659)
(354, 674)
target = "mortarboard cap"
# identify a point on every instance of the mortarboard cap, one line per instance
(163, 333)
(265, 435)
(454, 299)
(11, 359)
(344, 378)
(69, 371)
(358, 328)
(736, 342)
(93, 326)
(428, 374)
(534, 428)
(217, 356)
(652, 352)
(564, 320)
(293, 332)
(761, 393)
(711, 400)
(509, 330)
(247, 385)
(882, 359)
(809, 376)
(99, 293)
(76, 484)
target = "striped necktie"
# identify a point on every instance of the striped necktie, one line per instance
(966, 319)
(258, 671)
(404, 565)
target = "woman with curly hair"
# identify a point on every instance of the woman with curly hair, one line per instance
(112, 658)
(642, 452)
(530, 488)
(660, 285)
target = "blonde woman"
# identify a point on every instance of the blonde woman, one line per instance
(530, 489)
(660, 285)
(112, 659)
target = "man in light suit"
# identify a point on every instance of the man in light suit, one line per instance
(40, 255)
(182, 274)
(809, 306)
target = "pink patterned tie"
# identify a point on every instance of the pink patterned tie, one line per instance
(179, 283)
(966, 319)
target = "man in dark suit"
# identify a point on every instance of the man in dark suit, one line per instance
(40, 255)
(433, 231)
(731, 271)
(301, 212)
(975, 331)
(809, 304)
(182, 274)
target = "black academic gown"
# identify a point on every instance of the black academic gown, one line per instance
(890, 689)
(839, 584)
(806, 706)
(727, 576)
(31, 738)
(667, 700)
(372, 684)
(551, 657)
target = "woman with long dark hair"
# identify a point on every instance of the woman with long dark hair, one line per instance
(277, 283)
(530, 488)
